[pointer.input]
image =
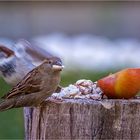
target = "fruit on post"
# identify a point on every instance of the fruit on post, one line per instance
(123, 84)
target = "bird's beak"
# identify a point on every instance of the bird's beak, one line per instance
(57, 67)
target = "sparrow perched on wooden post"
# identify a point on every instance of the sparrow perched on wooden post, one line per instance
(15, 64)
(35, 87)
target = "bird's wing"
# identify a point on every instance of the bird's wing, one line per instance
(35, 53)
(6, 50)
(29, 84)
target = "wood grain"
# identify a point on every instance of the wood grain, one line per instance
(84, 119)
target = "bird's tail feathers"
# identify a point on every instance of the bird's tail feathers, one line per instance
(6, 104)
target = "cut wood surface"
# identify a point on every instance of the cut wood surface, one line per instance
(84, 119)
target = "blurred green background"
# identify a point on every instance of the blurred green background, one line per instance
(11, 121)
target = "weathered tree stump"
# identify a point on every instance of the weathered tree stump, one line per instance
(84, 119)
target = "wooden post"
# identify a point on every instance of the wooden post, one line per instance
(84, 119)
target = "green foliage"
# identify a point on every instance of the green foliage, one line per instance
(11, 124)
(70, 77)
(11, 121)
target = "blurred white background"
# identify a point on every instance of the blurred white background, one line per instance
(86, 35)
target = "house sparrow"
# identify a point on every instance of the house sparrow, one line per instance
(15, 64)
(35, 87)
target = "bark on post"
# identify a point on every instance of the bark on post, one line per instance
(84, 119)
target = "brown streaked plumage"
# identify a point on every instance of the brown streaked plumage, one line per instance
(35, 87)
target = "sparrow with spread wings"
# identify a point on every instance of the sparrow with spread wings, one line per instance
(35, 87)
(16, 63)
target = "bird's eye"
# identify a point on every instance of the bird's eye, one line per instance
(50, 62)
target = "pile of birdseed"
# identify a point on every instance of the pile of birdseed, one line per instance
(81, 89)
